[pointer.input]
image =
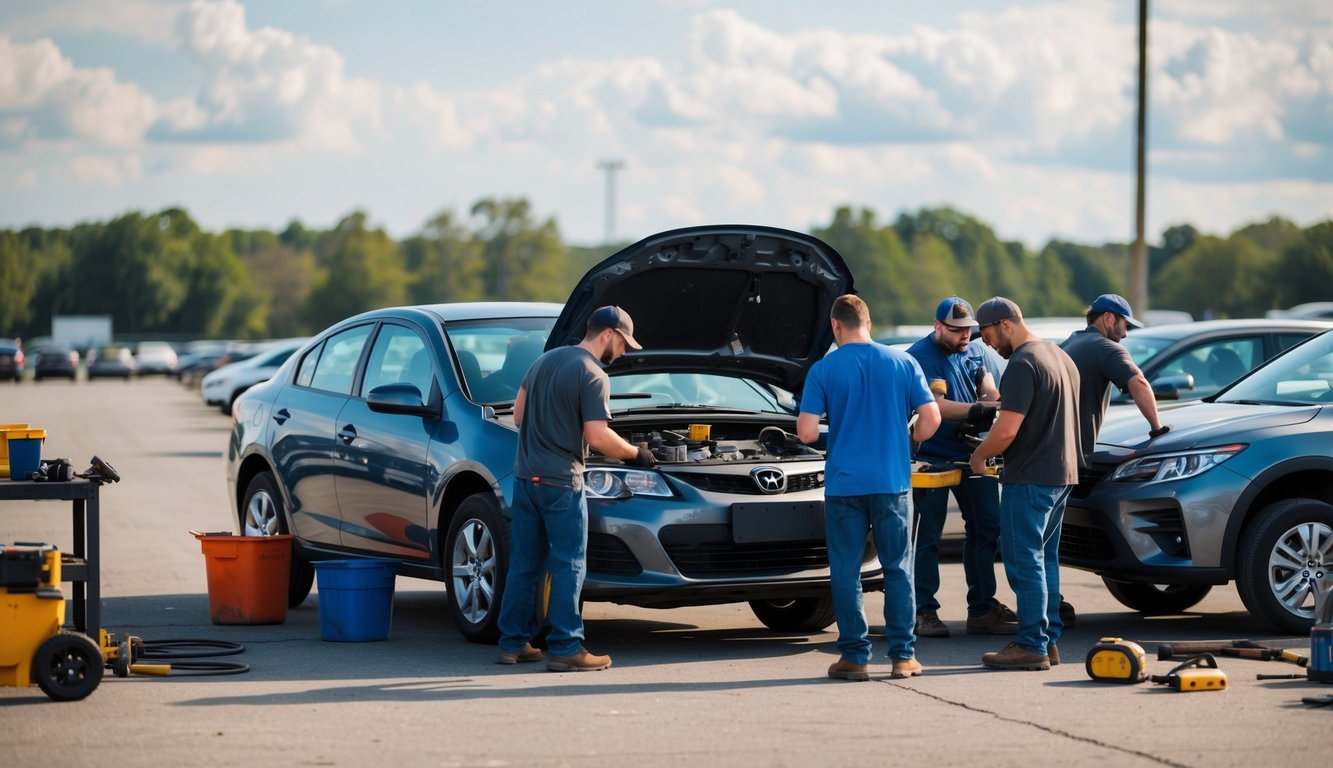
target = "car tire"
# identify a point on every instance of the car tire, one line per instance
(262, 514)
(1285, 548)
(67, 666)
(476, 561)
(802, 614)
(1157, 599)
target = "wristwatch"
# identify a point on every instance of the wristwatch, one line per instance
(1162, 430)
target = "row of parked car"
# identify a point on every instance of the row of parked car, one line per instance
(391, 434)
(49, 360)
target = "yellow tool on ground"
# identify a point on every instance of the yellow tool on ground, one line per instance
(1113, 660)
(66, 665)
(1197, 674)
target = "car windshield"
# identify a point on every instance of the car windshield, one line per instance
(1144, 348)
(494, 354)
(634, 391)
(1301, 376)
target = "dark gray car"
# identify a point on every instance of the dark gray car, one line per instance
(1240, 489)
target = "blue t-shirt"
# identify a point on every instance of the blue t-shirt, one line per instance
(868, 392)
(960, 371)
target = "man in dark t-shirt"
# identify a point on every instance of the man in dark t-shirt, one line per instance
(1037, 432)
(563, 403)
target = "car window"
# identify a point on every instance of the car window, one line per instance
(337, 363)
(399, 355)
(305, 372)
(1144, 348)
(1300, 377)
(1215, 364)
(494, 354)
(1286, 341)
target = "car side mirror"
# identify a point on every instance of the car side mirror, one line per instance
(1170, 387)
(400, 398)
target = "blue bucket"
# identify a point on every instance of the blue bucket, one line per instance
(355, 599)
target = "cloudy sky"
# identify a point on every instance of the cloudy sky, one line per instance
(251, 114)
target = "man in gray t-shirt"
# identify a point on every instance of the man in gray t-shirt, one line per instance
(563, 403)
(1102, 361)
(1037, 432)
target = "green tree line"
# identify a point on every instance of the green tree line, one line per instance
(162, 274)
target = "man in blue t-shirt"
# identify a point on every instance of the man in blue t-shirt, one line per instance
(867, 390)
(967, 397)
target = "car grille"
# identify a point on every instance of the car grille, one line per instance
(1088, 477)
(1085, 542)
(706, 551)
(745, 485)
(609, 555)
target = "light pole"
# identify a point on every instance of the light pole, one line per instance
(1138, 256)
(609, 167)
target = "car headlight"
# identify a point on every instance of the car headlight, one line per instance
(617, 483)
(1174, 466)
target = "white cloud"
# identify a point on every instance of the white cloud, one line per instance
(105, 171)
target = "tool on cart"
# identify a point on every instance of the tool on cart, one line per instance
(66, 665)
(1199, 673)
(1242, 649)
(1114, 660)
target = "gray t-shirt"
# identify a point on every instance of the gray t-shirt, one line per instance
(1041, 383)
(564, 388)
(1101, 363)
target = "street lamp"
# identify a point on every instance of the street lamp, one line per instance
(609, 167)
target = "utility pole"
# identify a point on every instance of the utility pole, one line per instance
(609, 167)
(1138, 253)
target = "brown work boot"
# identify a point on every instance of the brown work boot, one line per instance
(579, 662)
(928, 624)
(513, 657)
(842, 669)
(997, 621)
(1053, 653)
(906, 668)
(1014, 656)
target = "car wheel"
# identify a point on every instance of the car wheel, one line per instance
(477, 559)
(67, 666)
(1287, 547)
(803, 614)
(262, 515)
(1157, 599)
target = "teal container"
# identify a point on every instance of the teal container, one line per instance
(355, 599)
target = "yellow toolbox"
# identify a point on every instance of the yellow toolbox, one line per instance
(33, 648)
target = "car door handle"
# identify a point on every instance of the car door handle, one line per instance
(347, 434)
(281, 416)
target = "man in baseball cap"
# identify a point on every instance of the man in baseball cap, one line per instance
(617, 320)
(1115, 304)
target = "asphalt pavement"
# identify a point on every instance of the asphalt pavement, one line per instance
(689, 687)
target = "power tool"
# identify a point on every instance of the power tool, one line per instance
(1196, 674)
(1113, 660)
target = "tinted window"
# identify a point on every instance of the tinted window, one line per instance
(337, 363)
(1286, 341)
(399, 355)
(305, 373)
(493, 355)
(1216, 364)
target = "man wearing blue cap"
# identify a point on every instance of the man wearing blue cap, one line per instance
(1102, 361)
(967, 398)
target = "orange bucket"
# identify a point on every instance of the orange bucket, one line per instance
(247, 577)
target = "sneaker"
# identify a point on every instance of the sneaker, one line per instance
(579, 662)
(997, 621)
(906, 668)
(842, 669)
(928, 624)
(1067, 615)
(1053, 653)
(1014, 656)
(513, 657)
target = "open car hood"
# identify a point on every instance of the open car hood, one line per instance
(737, 300)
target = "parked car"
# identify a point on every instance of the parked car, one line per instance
(223, 385)
(1189, 361)
(1240, 489)
(11, 361)
(110, 361)
(155, 357)
(55, 361)
(392, 434)
(1314, 310)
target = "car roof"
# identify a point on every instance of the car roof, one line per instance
(1177, 331)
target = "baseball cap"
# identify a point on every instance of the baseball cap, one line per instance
(617, 319)
(955, 313)
(995, 309)
(1113, 302)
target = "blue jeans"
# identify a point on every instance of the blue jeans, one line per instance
(847, 522)
(549, 530)
(979, 502)
(1030, 517)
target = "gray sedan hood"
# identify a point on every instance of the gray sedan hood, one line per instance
(732, 299)
(1196, 425)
